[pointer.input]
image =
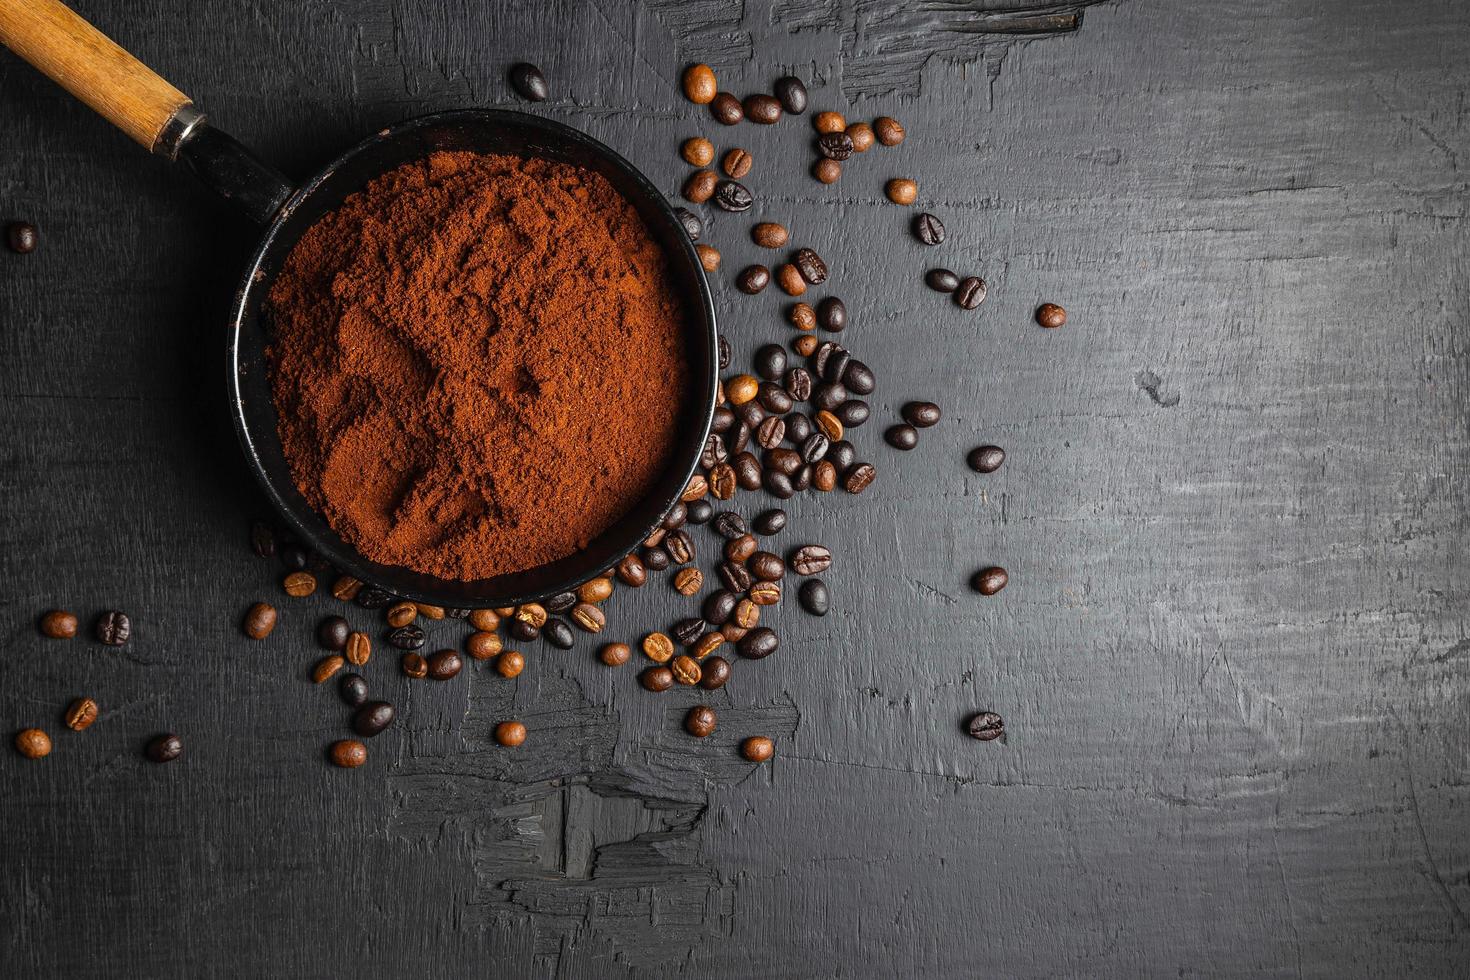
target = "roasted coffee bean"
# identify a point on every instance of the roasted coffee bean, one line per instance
(805, 345)
(718, 606)
(444, 665)
(814, 597)
(859, 478)
(689, 581)
(747, 471)
(766, 566)
(33, 743)
(483, 645)
(970, 293)
(113, 628)
(697, 152)
(811, 559)
(410, 637)
(531, 612)
(331, 632)
(789, 280)
(768, 234)
(741, 389)
(783, 460)
(987, 726)
(615, 654)
(346, 588)
(715, 673)
(747, 615)
(989, 581)
(511, 663)
(814, 447)
(524, 631)
(435, 613)
(693, 227)
(888, 130)
(828, 425)
(371, 597)
(791, 92)
(810, 265)
(631, 571)
(700, 511)
(707, 644)
(824, 352)
(757, 748)
(294, 558)
(765, 593)
(484, 619)
(699, 84)
(763, 109)
(986, 459)
(802, 479)
(700, 186)
(770, 432)
(656, 679)
(798, 384)
(726, 109)
(941, 280)
(561, 602)
(731, 195)
(853, 412)
(1050, 315)
(510, 734)
(902, 436)
(686, 631)
(737, 162)
(722, 481)
(774, 398)
(828, 397)
(829, 122)
(164, 748)
(759, 643)
(57, 624)
(658, 647)
(824, 476)
(80, 714)
(770, 522)
(262, 539)
(834, 365)
(685, 669)
(843, 455)
(730, 525)
(723, 345)
(798, 427)
(696, 489)
(861, 135)
(680, 547)
(348, 753)
(655, 538)
(559, 634)
(741, 548)
(357, 648)
(676, 516)
(656, 559)
(414, 665)
(827, 171)
(858, 378)
(353, 689)
(832, 314)
(921, 415)
(735, 576)
(21, 237)
(901, 190)
(401, 614)
(700, 721)
(779, 485)
(299, 584)
(709, 261)
(458, 612)
(802, 317)
(737, 439)
(714, 452)
(372, 718)
(928, 229)
(835, 146)
(528, 81)
(752, 413)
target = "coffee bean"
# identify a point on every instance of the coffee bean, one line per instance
(766, 566)
(835, 146)
(294, 558)
(769, 234)
(693, 227)
(832, 314)
(370, 597)
(347, 753)
(770, 361)
(747, 615)
(709, 261)
(599, 589)
(715, 673)
(814, 597)
(560, 602)
(811, 266)
(33, 743)
(858, 378)
(802, 317)
(524, 631)
(113, 628)
(414, 665)
(528, 81)
(888, 130)
(747, 471)
(697, 152)
(445, 664)
(262, 539)
(827, 170)
(811, 559)
(260, 619)
(80, 714)
(686, 631)
(735, 576)
(828, 425)
(801, 480)
(699, 84)
(483, 645)
(834, 363)
(987, 726)
(1050, 315)
(804, 345)
(658, 648)
(723, 346)
(901, 190)
(458, 612)
(656, 679)
(774, 399)
(732, 195)
(928, 229)
(842, 455)
(859, 478)
(401, 614)
(753, 279)
(824, 476)
(757, 748)
(615, 654)
(531, 612)
(700, 186)
(685, 669)
(511, 663)
(700, 721)
(741, 548)
(714, 452)
(559, 634)
(656, 559)
(299, 584)
(689, 581)
(354, 689)
(21, 237)
(57, 624)
(814, 447)
(941, 280)
(730, 525)
(763, 109)
(986, 459)
(631, 572)
(164, 748)
(798, 384)
(680, 547)
(510, 734)
(770, 522)
(759, 643)
(921, 415)
(853, 413)
(989, 581)
(765, 593)
(436, 613)
(372, 718)
(718, 606)
(791, 92)
(902, 436)
(410, 637)
(970, 293)
(357, 648)
(789, 280)
(861, 135)
(829, 122)
(737, 162)
(722, 481)
(707, 644)
(677, 514)
(726, 109)
(770, 432)
(782, 460)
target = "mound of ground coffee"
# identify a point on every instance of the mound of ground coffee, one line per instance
(478, 363)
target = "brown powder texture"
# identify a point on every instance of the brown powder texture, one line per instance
(478, 363)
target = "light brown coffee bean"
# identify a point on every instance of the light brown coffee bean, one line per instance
(722, 482)
(709, 257)
(695, 489)
(631, 571)
(733, 632)
(359, 649)
(737, 162)
(688, 581)
(596, 590)
(435, 613)
(806, 344)
(757, 748)
(326, 667)
(765, 593)
(33, 743)
(401, 614)
(700, 186)
(532, 613)
(260, 619)
(707, 644)
(483, 645)
(80, 714)
(615, 654)
(1050, 315)
(697, 151)
(790, 280)
(348, 753)
(824, 476)
(802, 316)
(686, 669)
(588, 617)
(658, 648)
(829, 424)
(700, 722)
(888, 130)
(510, 733)
(747, 614)
(741, 548)
(299, 584)
(484, 619)
(57, 624)
(414, 665)
(510, 663)
(656, 679)
(901, 190)
(742, 388)
(862, 137)
(829, 122)
(827, 170)
(769, 234)
(346, 588)
(699, 84)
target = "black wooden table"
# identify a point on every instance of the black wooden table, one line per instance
(1233, 656)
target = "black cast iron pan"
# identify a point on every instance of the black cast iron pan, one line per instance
(150, 110)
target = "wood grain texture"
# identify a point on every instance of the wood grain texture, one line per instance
(1233, 655)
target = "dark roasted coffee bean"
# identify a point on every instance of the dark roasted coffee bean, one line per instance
(731, 195)
(770, 432)
(766, 566)
(370, 597)
(589, 619)
(835, 146)
(765, 593)
(774, 398)
(410, 637)
(631, 571)
(445, 664)
(921, 415)
(762, 108)
(372, 718)
(260, 620)
(810, 265)
(798, 427)
(735, 576)
(714, 673)
(811, 559)
(941, 280)
(798, 383)
(859, 478)
(791, 92)
(730, 525)
(457, 613)
(753, 279)
(1051, 316)
(331, 633)
(970, 293)
(752, 413)
(989, 581)
(986, 459)
(113, 628)
(902, 436)
(718, 606)
(928, 229)
(747, 471)
(770, 362)
(680, 547)
(741, 548)
(842, 455)
(832, 314)
(560, 602)
(738, 438)
(779, 485)
(165, 748)
(21, 237)
(655, 559)
(558, 633)
(700, 511)
(724, 349)
(687, 631)
(814, 597)
(815, 447)
(782, 460)
(673, 520)
(700, 721)
(802, 479)
(262, 539)
(353, 689)
(656, 679)
(528, 82)
(524, 631)
(987, 726)
(294, 557)
(759, 643)
(693, 227)
(824, 352)
(853, 412)
(726, 109)
(714, 452)
(770, 522)
(835, 366)
(829, 396)
(858, 378)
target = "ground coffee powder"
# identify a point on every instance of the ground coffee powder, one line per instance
(478, 363)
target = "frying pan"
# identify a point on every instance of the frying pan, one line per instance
(125, 92)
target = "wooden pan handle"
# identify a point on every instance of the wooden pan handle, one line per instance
(86, 62)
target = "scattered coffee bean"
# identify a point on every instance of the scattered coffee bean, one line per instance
(791, 92)
(615, 654)
(700, 186)
(928, 229)
(524, 631)
(715, 673)
(830, 426)
(741, 548)
(888, 130)
(353, 689)
(852, 413)
(811, 266)
(655, 538)
(658, 648)
(726, 109)
(510, 734)
(656, 679)
(902, 436)
(843, 456)
(347, 753)
(737, 162)
(769, 234)
(858, 378)
(770, 432)
(483, 645)
(697, 151)
(732, 195)
(783, 460)
(799, 428)
(861, 135)
(814, 597)
(835, 146)
(901, 190)
(436, 613)
(80, 714)
(752, 413)
(832, 314)
(829, 122)
(529, 82)
(941, 280)
(299, 584)
(762, 109)
(735, 576)
(724, 349)
(21, 237)
(814, 447)
(687, 631)
(445, 664)
(693, 227)
(655, 559)
(989, 581)
(758, 644)
(593, 590)
(811, 559)
(970, 292)
(730, 525)
(560, 602)
(401, 614)
(680, 547)
(987, 726)
(765, 593)
(164, 748)
(689, 581)
(757, 748)
(986, 459)
(723, 481)
(766, 566)
(921, 415)
(410, 637)
(699, 84)
(802, 317)
(678, 513)
(414, 665)
(707, 644)
(790, 280)
(484, 619)
(358, 649)
(113, 628)
(747, 614)
(294, 558)
(260, 619)
(798, 384)
(824, 476)
(58, 624)
(33, 743)
(631, 571)
(369, 597)
(262, 539)
(770, 522)
(827, 170)
(775, 399)
(685, 669)
(709, 261)
(510, 664)
(1050, 315)
(770, 362)
(752, 279)
(859, 478)
(372, 718)
(700, 511)
(700, 721)
(559, 634)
